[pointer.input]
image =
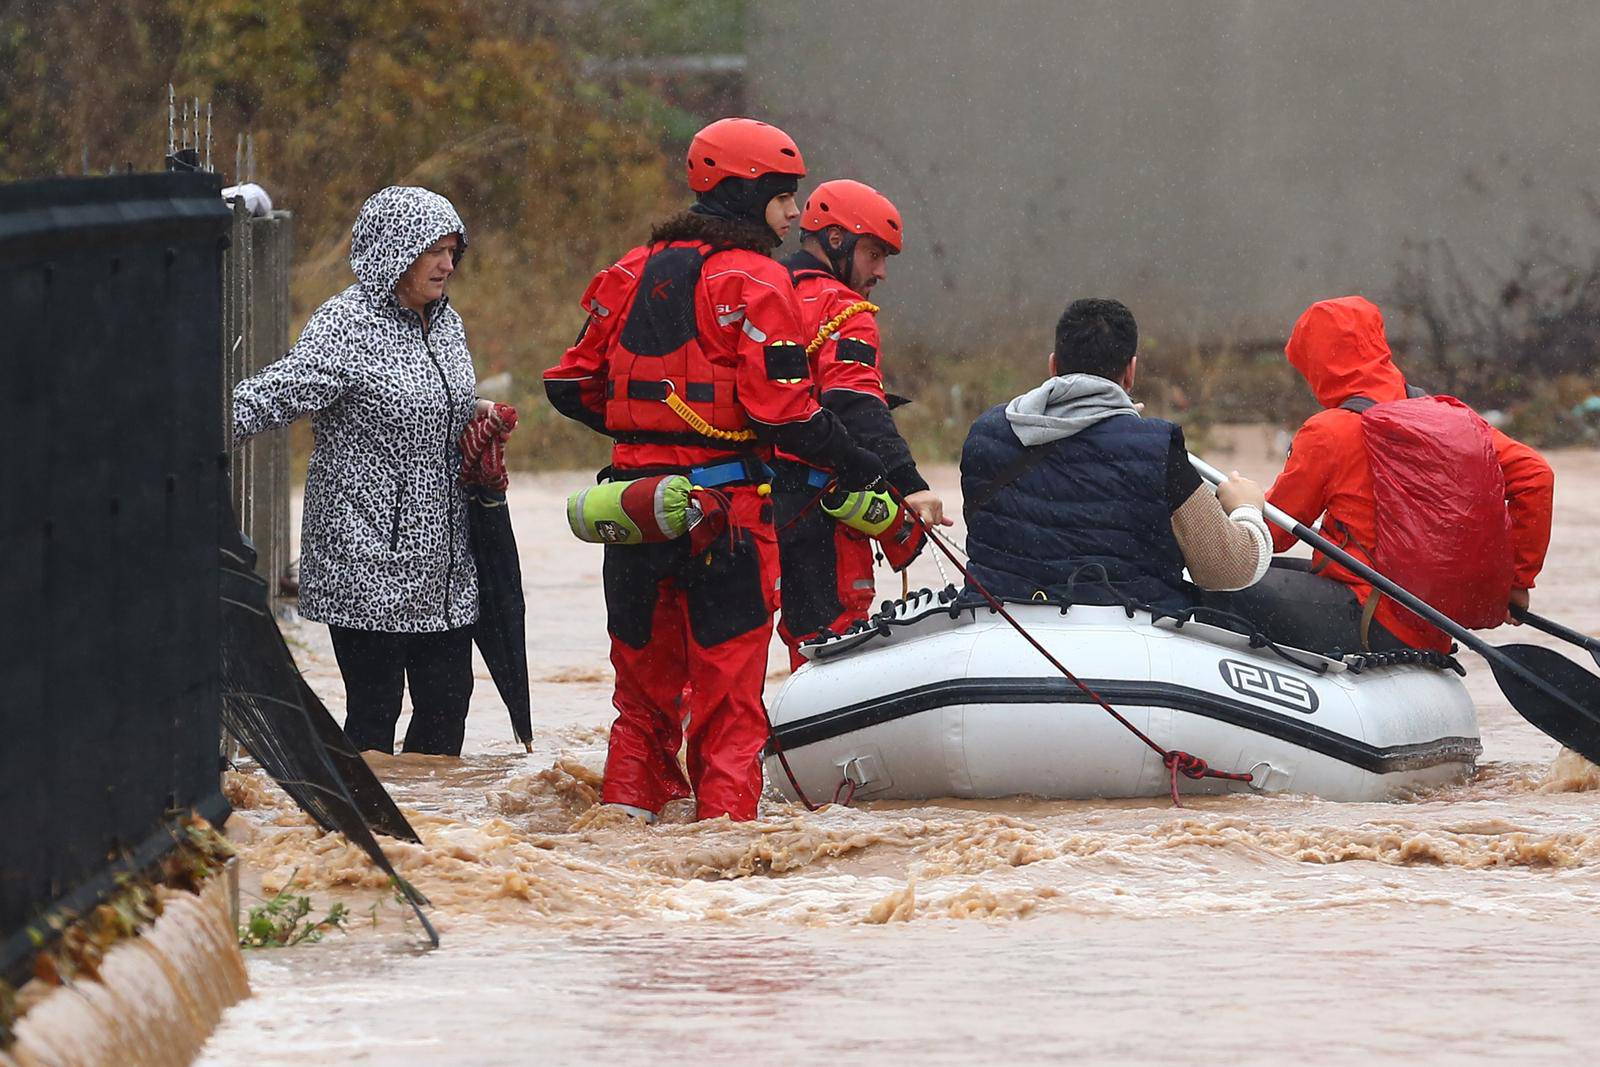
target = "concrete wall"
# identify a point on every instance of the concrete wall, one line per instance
(1216, 164)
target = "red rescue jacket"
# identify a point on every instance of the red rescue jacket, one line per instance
(719, 329)
(1340, 349)
(848, 357)
(847, 368)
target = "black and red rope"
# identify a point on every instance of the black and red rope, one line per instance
(1177, 762)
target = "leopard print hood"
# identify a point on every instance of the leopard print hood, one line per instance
(383, 541)
(395, 226)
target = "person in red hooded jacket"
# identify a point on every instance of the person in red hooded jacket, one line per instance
(1340, 349)
(849, 232)
(692, 360)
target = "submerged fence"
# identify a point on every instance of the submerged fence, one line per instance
(255, 331)
(111, 450)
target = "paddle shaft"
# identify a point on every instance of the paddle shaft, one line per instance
(1555, 629)
(1350, 563)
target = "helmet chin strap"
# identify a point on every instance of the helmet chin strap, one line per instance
(841, 258)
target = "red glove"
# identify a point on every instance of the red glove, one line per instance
(483, 448)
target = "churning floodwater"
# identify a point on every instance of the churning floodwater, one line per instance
(1453, 926)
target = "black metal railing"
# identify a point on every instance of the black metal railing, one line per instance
(111, 453)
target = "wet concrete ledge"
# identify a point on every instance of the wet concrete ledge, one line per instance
(158, 997)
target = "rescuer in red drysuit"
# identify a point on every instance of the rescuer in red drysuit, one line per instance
(1339, 347)
(693, 361)
(850, 231)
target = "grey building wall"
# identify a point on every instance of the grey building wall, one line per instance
(1217, 164)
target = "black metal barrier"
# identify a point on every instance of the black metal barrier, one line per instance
(110, 442)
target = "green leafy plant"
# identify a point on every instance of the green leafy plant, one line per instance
(281, 922)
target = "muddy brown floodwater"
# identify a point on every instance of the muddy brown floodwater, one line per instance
(1456, 926)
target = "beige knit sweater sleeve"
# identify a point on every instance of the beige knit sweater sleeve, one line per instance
(1223, 552)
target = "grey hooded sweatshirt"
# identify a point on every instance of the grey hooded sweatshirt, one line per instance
(383, 544)
(1065, 406)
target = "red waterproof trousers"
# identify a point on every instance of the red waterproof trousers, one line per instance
(689, 638)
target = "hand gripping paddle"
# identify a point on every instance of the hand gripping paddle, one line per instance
(1548, 689)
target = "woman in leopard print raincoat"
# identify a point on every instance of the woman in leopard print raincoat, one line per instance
(384, 372)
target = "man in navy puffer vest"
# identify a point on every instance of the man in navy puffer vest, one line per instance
(1069, 479)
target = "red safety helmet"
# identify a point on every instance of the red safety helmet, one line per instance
(855, 207)
(741, 148)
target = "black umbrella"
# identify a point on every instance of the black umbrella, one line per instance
(501, 632)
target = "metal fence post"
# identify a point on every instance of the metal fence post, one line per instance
(236, 264)
(255, 333)
(274, 256)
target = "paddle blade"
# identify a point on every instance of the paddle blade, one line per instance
(1553, 693)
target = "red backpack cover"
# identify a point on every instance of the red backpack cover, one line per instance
(1444, 533)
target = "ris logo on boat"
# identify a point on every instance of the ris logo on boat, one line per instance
(1263, 684)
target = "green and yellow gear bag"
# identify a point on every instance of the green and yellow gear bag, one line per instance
(876, 513)
(647, 510)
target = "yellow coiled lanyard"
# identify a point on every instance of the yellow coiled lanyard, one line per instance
(700, 426)
(831, 327)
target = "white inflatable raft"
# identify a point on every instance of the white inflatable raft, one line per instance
(939, 701)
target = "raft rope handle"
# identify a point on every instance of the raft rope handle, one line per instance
(1176, 761)
(829, 328)
(937, 562)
